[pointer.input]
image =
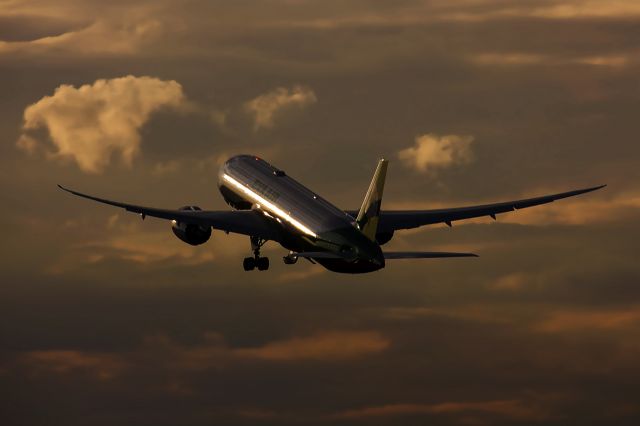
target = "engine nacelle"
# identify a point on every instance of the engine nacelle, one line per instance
(191, 233)
(384, 237)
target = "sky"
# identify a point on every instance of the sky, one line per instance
(106, 319)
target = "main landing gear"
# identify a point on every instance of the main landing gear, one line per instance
(250, 263)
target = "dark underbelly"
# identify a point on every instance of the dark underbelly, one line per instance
(346, 267)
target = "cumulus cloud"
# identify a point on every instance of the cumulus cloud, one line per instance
(265, 108)
(90, 123)
(432, 152)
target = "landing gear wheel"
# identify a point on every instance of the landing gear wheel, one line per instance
(290, 259)
(262, 263)
(249, 263)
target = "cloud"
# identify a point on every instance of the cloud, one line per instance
(513, 409)
(90, 123)
(211, 353)
(510, 282)
(433, 152)
(29, 27)
(163, 168)
(334, 345)
(524, 59)
(81, 29)
(589, 320)
(265, 108)
(214, 352)
(485, 10)
(133, 240)
(585, 209)
(62, 362)
(515, 58)
(587, 8)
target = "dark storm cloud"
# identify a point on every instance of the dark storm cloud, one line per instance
(107, 319)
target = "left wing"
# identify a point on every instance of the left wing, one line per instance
(247, 222)
(391, 220)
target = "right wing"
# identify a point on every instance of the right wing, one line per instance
(405, 219)
(247, 222)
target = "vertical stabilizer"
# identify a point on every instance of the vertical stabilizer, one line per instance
(369, 214)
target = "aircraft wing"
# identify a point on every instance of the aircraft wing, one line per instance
(391, 220)
(247, 222)
(423, 254)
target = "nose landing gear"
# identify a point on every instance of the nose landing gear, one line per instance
(250, 263)
(290, 259)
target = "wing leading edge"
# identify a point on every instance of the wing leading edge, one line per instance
(247, 222)
(391, 220)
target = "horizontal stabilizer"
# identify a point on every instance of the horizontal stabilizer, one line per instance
(424, 254)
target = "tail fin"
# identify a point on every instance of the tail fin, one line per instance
(369, 214)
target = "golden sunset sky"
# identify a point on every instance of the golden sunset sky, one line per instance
(108, 320)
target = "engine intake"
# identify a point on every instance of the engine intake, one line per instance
(191, 233)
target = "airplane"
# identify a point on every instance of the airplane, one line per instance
(269, 205)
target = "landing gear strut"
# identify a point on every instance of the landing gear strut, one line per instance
(250, 263)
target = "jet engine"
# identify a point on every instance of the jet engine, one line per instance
(191, 233)
(384, 237)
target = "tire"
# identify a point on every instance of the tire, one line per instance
(263, 263)
(249, 263)
(289, 260)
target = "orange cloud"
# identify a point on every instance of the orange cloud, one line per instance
(523, 58)
(333, 345)
(92, 29)
(578, 211)
(433, 152)
(98, 366)
(512, 409)
(91, 123)
(574, 320)
(510, 282)
(213, 352)
(266, 107)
